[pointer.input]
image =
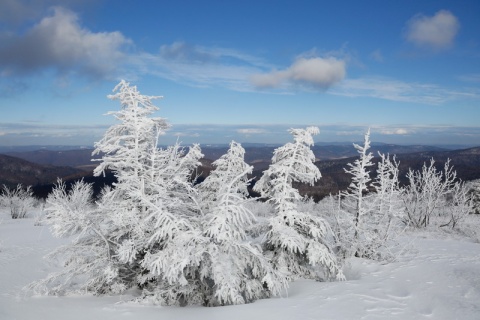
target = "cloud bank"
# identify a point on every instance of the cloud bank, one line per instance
(319, 73)
(436, 32)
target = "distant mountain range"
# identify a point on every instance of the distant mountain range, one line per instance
(254, 153)
(41, 167)
(466, 162)
(16, 170)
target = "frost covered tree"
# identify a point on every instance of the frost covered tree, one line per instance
(90, 255)
(19, 200)
(387, 189)
(127, 146)
(210, 262)
(474, 195)
(150, 209)
(233, 271)
(174, 216)
(355, 197)
(296, 241)
(426, 192)
(458, 205)
(230, 168)
(367, 214)
(360, 181)
(154, 199)
(383, 226)
(129, 149)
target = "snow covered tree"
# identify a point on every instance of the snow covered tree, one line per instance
(387, 188)
(129, 149)
(354, 199)
(367, 214)
(127, 146)
(474, 195)
(426, 192)
(229, 168)
(296, 241)
(90, 255)
(149, 210)
(360, 181)
(223, 194)
(18, 200)
(174, 216)
(459, 204)
(234, 271)
(383, 225)
(156, 208)
(210, 261)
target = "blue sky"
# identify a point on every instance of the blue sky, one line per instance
(243, 70)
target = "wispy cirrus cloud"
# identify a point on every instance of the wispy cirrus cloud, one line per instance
(401, 91)
(472, 78)
(181, 51)
(225, 67)
(436, 32)
(199, 66)
(22, 133)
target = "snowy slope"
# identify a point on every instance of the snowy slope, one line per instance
(440, 280)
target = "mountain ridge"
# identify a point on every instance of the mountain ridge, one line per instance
(466, 162)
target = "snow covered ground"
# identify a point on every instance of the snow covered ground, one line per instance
(440, 279)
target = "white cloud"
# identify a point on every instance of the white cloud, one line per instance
(437, 32)
(394, 131)
(320, 73)
(59, 42)
(249, 131)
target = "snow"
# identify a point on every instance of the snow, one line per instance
(439, 279)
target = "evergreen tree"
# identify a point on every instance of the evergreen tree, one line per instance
(234, 271)
(296, 241)
(150, 209)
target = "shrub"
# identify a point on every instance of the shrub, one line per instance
(19, 200)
